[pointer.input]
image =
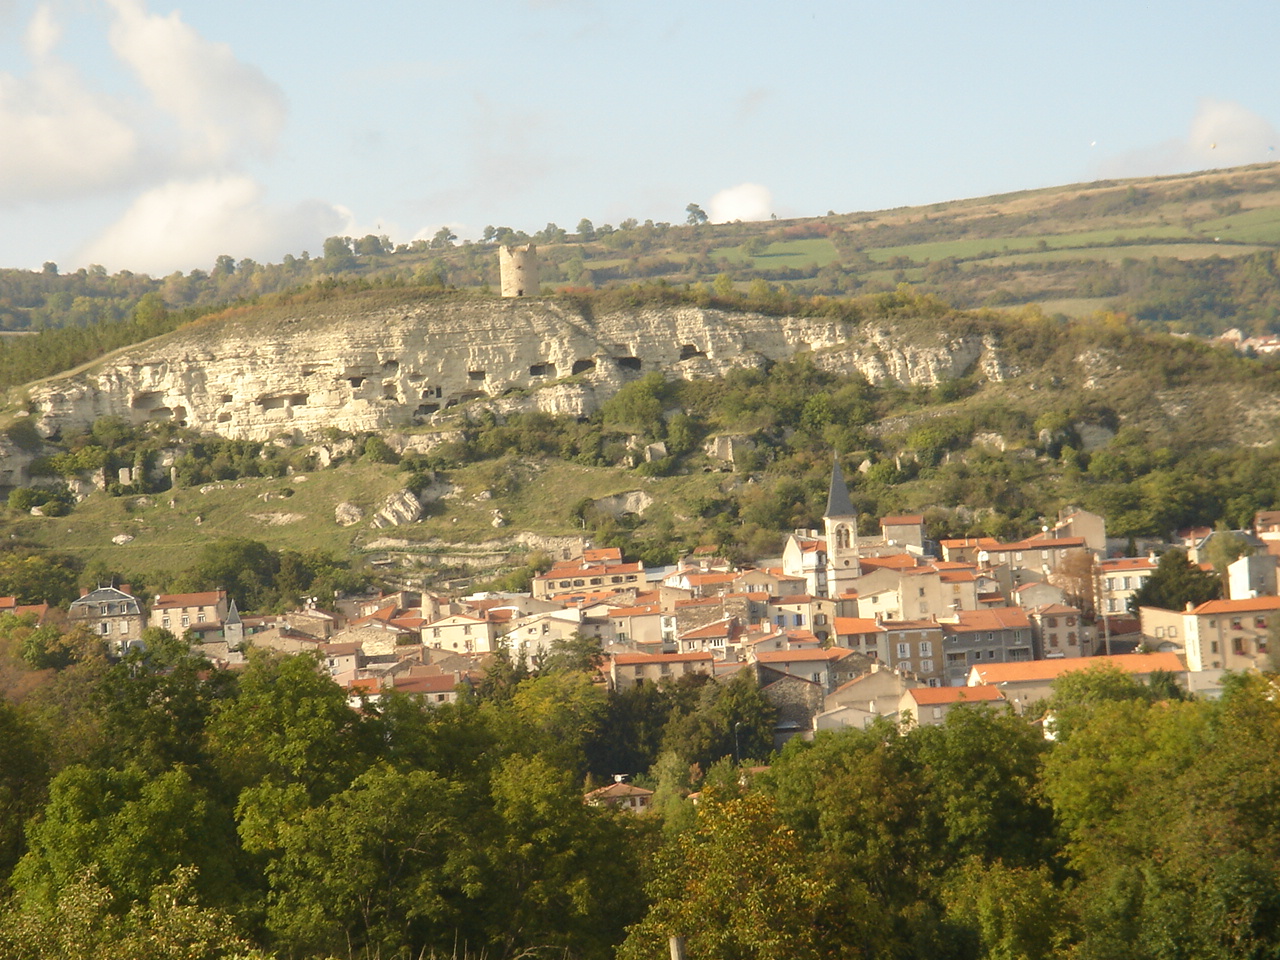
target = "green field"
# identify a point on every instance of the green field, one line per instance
(983, 247)
(1179, 251)
(1251, 226)
(785, 254)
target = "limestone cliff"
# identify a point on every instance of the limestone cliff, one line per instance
(359, 364)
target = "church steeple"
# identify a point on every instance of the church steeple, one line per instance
(838, 502)
(841, 523)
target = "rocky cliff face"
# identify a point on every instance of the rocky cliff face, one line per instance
(359, 365)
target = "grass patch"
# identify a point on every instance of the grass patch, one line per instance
(1180, 251)
(785, 254)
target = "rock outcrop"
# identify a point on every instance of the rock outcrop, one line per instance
(357, 364)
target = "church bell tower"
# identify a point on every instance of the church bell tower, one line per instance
(841, 526)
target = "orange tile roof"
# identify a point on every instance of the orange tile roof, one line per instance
(1116, 564)
(1251, 605)
(794, 598)
(209, 598)
(782, 656)
(993, 618)
(970, 542)
(902, 520)
(1032, 670)
(848, 625)
(440, 683)
(647, 609)
(721, 628)
(936, 696)
(602, 553)
(896, 561)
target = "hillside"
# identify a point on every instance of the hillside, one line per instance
(719, 426)
(1192, 252)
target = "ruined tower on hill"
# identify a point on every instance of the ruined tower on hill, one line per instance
(518, 267)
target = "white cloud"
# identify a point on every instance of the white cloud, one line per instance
(223, 105)
(746, 201)
(1223, 133)
(43, 33)
(188, 223)
(59, 138)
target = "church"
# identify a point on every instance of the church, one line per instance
(827, 559)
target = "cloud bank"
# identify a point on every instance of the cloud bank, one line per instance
(178, 143)
(746, 201)
(1222, 133)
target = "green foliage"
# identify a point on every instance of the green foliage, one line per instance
(36, 578)
(136, 830)
(81, 924)
(1176, 582)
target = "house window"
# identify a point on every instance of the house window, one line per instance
(926, 648)
(164, 622)
(1071, 639)
(466, 629)
(922, 591)
(1236, 624)
(1053, 621)
(104, 628)
(199, 618)
(904, 650)
(1237, 646)
(1071, 621)
(1159, 633)
(926, 666)
(937, 713)
(1213, 646)
(1260, 623)
(1053, 640)
(905, 665)
(820, 619)
(186, 620)
(956, 657)
(124, 627)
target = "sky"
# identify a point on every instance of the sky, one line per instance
(154, 135)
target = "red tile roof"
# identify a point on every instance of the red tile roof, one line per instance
(936, 696)
(1031, 670)
(209, 598)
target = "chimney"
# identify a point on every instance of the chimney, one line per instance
(84, 591)
(124, 588)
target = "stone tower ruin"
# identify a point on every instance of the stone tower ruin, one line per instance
(519, 269)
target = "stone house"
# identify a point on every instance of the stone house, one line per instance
(113, 614)
(829, 668)
(177, 612)
(581, 575)
(929, 706)
(860, 701)
(996, 635)
(914, 646)
(1120, 578)
(1058, 631)
(634, 669)
(796, 699)
(461, 633)
(620, 796)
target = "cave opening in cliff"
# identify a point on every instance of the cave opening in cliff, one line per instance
(629, 363)
(583, 366)
(688, 351)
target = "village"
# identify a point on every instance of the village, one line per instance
(841, 630)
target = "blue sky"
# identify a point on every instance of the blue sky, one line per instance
(154, 136)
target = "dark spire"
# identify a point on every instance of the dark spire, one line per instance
(233, 615)
(838, 502)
